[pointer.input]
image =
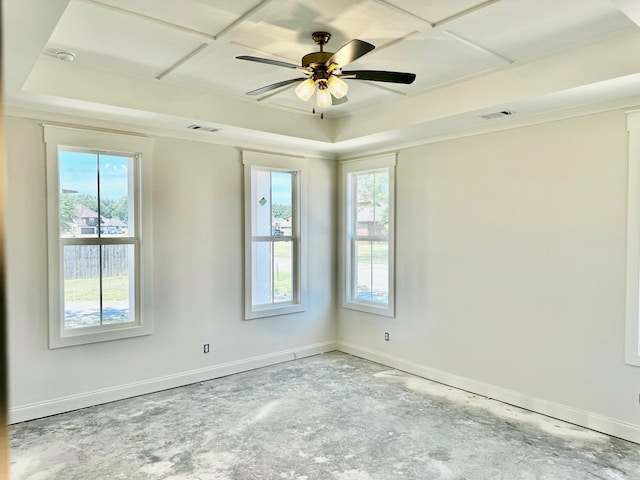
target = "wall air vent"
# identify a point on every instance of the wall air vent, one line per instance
(491, 116)
(203, 128)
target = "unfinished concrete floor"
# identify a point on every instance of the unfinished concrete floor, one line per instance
(331, 416)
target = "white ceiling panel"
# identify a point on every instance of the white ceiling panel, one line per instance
(217, 68)
(521, 29)
(436, 10)
(435, 60)
(284, 28)
(108, 40)
(206, 16)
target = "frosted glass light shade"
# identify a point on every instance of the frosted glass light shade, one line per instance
(324, 97)
(305, 89)
(337, 86)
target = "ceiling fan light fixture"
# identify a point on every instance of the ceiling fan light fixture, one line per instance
(305, 89)
(337, 86)
(324, 95)
(324, 70)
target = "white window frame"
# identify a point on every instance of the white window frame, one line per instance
(350, 168)
(61, 138)
(276, 163)
(632, 331)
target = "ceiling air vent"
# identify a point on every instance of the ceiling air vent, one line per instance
(491, 116)
(203, 128)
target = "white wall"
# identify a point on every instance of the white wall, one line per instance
(198, 258)
(510, 275)
(511, 270)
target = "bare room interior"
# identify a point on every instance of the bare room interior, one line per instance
(352, 240)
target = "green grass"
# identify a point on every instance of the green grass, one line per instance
(379, 254)
(88, 289)
(282, 283)
(282, 280)
(282, 249)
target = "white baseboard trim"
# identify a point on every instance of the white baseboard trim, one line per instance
(120, 392)
(583, 418)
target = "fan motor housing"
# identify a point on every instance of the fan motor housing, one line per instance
(316, 59)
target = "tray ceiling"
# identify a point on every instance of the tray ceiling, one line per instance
(190, 46)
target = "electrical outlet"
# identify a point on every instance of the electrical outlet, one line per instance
(386, 336)
(206, 348)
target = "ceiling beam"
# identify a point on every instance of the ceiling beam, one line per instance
(395, 42)
(183, 60)
(222, 32)
(202, 35)
(405, 12)
(464, 13)
(385, 88)
(241, 18)
(478, 47)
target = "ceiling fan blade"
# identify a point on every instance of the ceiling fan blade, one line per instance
(277, 63)
(380, 76)
(338, 101)
(274, 86)
(350, 52)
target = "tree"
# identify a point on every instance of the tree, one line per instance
(106, 207)
(86, 200)
(109, 208)
(68, 212)
(121, 209)
(373, 193)
(279, 210)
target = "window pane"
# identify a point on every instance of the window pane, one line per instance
(364, 204)
(381, 203)
(282, 272)
(81, 286)
(380, 272)
(262, 267)
(371, 274)
(272, 272)
(78, 180)
(272, 197)
(372, 204)
(115, 184)
(117, 274)
(282, 202)
(261, 203)
(362, 277)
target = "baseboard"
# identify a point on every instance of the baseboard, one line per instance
(583, 418)
(88, 399)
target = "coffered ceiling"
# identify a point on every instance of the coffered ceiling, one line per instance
(169, 64)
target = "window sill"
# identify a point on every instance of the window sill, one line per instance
(69, 339)
(386, 311)
(272, 311)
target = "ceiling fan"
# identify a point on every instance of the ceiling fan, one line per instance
(324, 71)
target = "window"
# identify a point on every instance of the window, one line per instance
(274, 235)
(368, 223)
(632, 345)
(99, 267)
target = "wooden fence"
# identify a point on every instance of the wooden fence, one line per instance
(84, 261)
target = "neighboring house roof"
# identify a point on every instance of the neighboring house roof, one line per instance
(85, 212)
